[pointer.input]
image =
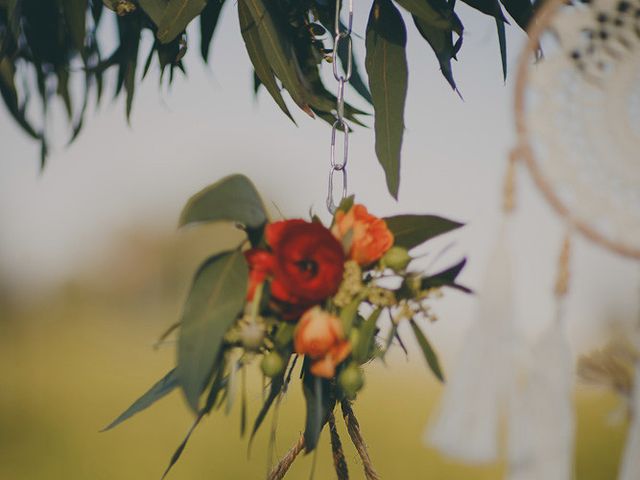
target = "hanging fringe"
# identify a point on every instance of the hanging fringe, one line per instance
(468, 423)
(541, 416)
(630, 467)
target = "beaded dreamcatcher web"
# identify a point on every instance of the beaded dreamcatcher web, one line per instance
(578, 117)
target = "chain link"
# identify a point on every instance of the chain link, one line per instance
(339, 167)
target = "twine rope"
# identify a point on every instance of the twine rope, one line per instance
(353, 427)
(280, 470)
(339, 460)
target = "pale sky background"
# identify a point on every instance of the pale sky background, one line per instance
(209, 125)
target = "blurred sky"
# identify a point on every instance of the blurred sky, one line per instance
(116, 176)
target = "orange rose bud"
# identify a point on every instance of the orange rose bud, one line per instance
(370, 237)
(319, 335)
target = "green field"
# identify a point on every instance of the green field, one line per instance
(76, 359)
(70, 367)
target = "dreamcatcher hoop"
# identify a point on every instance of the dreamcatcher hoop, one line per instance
(604, 62)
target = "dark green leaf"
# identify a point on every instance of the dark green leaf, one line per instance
(155, 393)
(520, 10)
(10, 97)
(409, 231)
(502, 41)
(176, 17)
(14, 11)
(488, 7)
(446, 278)
(233, 199)
(216, 298)
(441, 41)
(429, 355)
(208, 23)
(434, 13)
(280, 52)
(75, 14)
(493, 9)
(366, 340)
(320, 402)
(62, 90)
(154, 9)
(258, 56)
(176, 455)
(277, 383)
(386, 64)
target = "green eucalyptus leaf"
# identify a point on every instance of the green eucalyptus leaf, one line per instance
(520, 10)
(488, 7)
(493, 9)
(154, 9)
(279, 50)
(428, 352)
(386, 64)
(233, 199)
(502, 41)
(155, 393)
(441, 41)
(62, 75)
(75, 15)
(177, 15)
(409, 231)
(319, 402)
(14, 11)
(10, 96)
(208, 23)
(258, 56)
(216, 299)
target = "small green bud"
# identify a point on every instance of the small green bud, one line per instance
(252, 335)
(396, 258)
(351, 380)
(272, 364)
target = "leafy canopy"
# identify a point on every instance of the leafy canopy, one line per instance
(287, 41)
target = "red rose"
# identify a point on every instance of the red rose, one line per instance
(305, 263)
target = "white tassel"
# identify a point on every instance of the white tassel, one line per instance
(630, 468)
(468, 423)
(541, 417)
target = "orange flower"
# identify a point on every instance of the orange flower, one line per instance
(370, 236)
(319, 335)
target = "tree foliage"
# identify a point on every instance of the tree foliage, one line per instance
(44, 43)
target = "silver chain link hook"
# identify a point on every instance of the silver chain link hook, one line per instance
(340, 125)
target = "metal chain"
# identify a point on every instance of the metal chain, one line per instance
(339, 167)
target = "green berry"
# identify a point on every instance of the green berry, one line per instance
(351, 380)
(396, 258)
(272, 364)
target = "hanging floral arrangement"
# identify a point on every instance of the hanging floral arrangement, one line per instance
(297, 293)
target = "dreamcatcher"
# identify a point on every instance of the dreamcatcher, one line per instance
(577, 115)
